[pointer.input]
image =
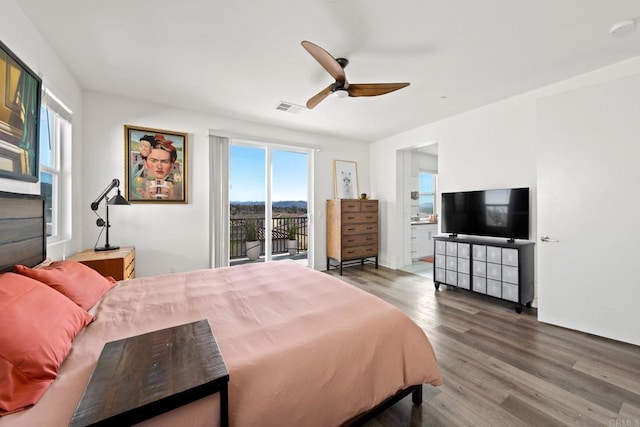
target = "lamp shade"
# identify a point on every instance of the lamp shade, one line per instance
(118, 200)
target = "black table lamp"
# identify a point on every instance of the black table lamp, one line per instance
(117, 200)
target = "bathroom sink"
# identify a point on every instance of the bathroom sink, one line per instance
(421, 221)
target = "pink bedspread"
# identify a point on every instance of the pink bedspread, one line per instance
(303, 348)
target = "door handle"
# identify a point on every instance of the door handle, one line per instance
(547, 239)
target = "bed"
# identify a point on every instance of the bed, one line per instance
(301, 347)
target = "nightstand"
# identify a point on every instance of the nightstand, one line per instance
(119, 264)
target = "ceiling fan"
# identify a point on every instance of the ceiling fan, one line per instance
(341, 87)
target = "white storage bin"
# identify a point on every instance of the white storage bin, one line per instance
(510, 292)
(479, 284)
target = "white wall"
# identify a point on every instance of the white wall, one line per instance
(491, 147)
(176, 237)
(19, 35)
(166, 237)
(472, 148)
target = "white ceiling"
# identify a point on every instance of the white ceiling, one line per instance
(242, 58)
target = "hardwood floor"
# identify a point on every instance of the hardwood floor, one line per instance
(501, 368)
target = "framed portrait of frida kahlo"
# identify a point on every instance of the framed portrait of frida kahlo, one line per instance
(155, 165)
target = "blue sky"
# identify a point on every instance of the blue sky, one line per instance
(247, 174)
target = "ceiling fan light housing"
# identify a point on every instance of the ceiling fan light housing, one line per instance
(624, 27)
(340, 93)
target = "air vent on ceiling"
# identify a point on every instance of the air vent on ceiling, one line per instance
(289, 107)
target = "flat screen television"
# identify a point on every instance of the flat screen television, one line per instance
(492, 213)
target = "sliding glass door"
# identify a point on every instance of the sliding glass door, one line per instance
(268, 203)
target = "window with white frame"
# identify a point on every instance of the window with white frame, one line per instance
(55, 137)
(427, 190)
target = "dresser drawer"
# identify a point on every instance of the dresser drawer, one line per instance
(350, 229)
(359, 252)
(366, 206)
(360, 217)
(350, 205)
(359, 206)
(359, 240)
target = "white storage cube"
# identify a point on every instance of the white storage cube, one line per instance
(452, 248)
(464, 281)
(510, 256)
(494, 271)
(480, 252)
(510, 274)
(479, 268)
(441, 261)
(464, 266)
(452, 278)
(441, 275)
(441, 247)
(494, 288)
(479, 284)
(510, 292)
(494, 254)
(452, 263)
(463, 250)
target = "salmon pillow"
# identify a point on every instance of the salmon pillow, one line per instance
(37, 327)
(81, 284)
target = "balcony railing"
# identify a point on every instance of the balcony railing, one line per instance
(279, 239)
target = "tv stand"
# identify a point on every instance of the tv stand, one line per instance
(491, 267)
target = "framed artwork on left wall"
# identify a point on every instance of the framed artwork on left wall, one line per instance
(155, 165)
(20, 91)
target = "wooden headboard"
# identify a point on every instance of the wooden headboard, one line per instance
(23, 238)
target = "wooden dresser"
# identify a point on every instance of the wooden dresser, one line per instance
(352, 231)
(119, 263)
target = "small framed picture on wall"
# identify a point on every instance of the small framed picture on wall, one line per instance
(345, 178)
(156, 165)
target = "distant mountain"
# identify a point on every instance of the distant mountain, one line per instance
(298, 204)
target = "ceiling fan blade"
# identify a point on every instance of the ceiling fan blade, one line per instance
(315, 99)
(374, 89)
(326, 60)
